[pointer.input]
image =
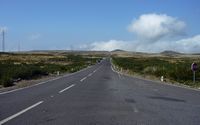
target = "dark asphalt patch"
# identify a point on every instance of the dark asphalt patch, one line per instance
(166, 99)
(130, 100)
(106, 78)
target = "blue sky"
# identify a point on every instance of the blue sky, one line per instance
(59, 24)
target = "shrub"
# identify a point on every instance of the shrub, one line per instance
(6, 81)
(10, 70)
(178, 70)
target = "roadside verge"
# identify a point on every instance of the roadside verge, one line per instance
(120, 71)
(37, 82)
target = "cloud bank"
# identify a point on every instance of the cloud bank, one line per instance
(153, 27)
(153, 33)
(108, 45)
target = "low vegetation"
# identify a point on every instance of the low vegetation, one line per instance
(172, 68)
(16, 67)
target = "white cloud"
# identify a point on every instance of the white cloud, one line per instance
(108, 45)
(154, 34)
(153, 27)
(189, 45)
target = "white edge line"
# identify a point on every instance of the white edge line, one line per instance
(67, 88)
(19, 113)
(119, 75)
(158, 82)
(6, 92)
(12, 91)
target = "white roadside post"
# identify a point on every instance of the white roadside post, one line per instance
(194, 68)
(162, 78)
(194, 77)
(58, 73)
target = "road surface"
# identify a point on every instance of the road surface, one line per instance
(100, 96)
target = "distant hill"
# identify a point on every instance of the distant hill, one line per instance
(118, 50)
(170, 53)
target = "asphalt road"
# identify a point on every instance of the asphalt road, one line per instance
(100, 96)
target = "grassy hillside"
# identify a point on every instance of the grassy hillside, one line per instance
(16, 67)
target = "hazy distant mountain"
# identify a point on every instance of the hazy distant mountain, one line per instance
(118, 50)
(170, 53)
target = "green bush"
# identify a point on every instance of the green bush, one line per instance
(6, 81)
(9, 71)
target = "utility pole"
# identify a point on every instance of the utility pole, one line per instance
(3, 40)
(19, 47)
(72, 48)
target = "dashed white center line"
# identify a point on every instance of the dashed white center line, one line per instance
(155, 90)
(94, 71)
(135, 110)
(67, 88)
(90, 75)
(83, 79)
(19, 113)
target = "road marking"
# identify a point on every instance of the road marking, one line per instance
(135, 109)
(40, 83)
(51, 96)
(119, 75)
(83, 79)
(11, 91)
(67, 88)
(157, 82)
(67, 75)
(94, 71)
(155, 90)
(90, 75)
(55, 79)
(112, 68)
(19, 113)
